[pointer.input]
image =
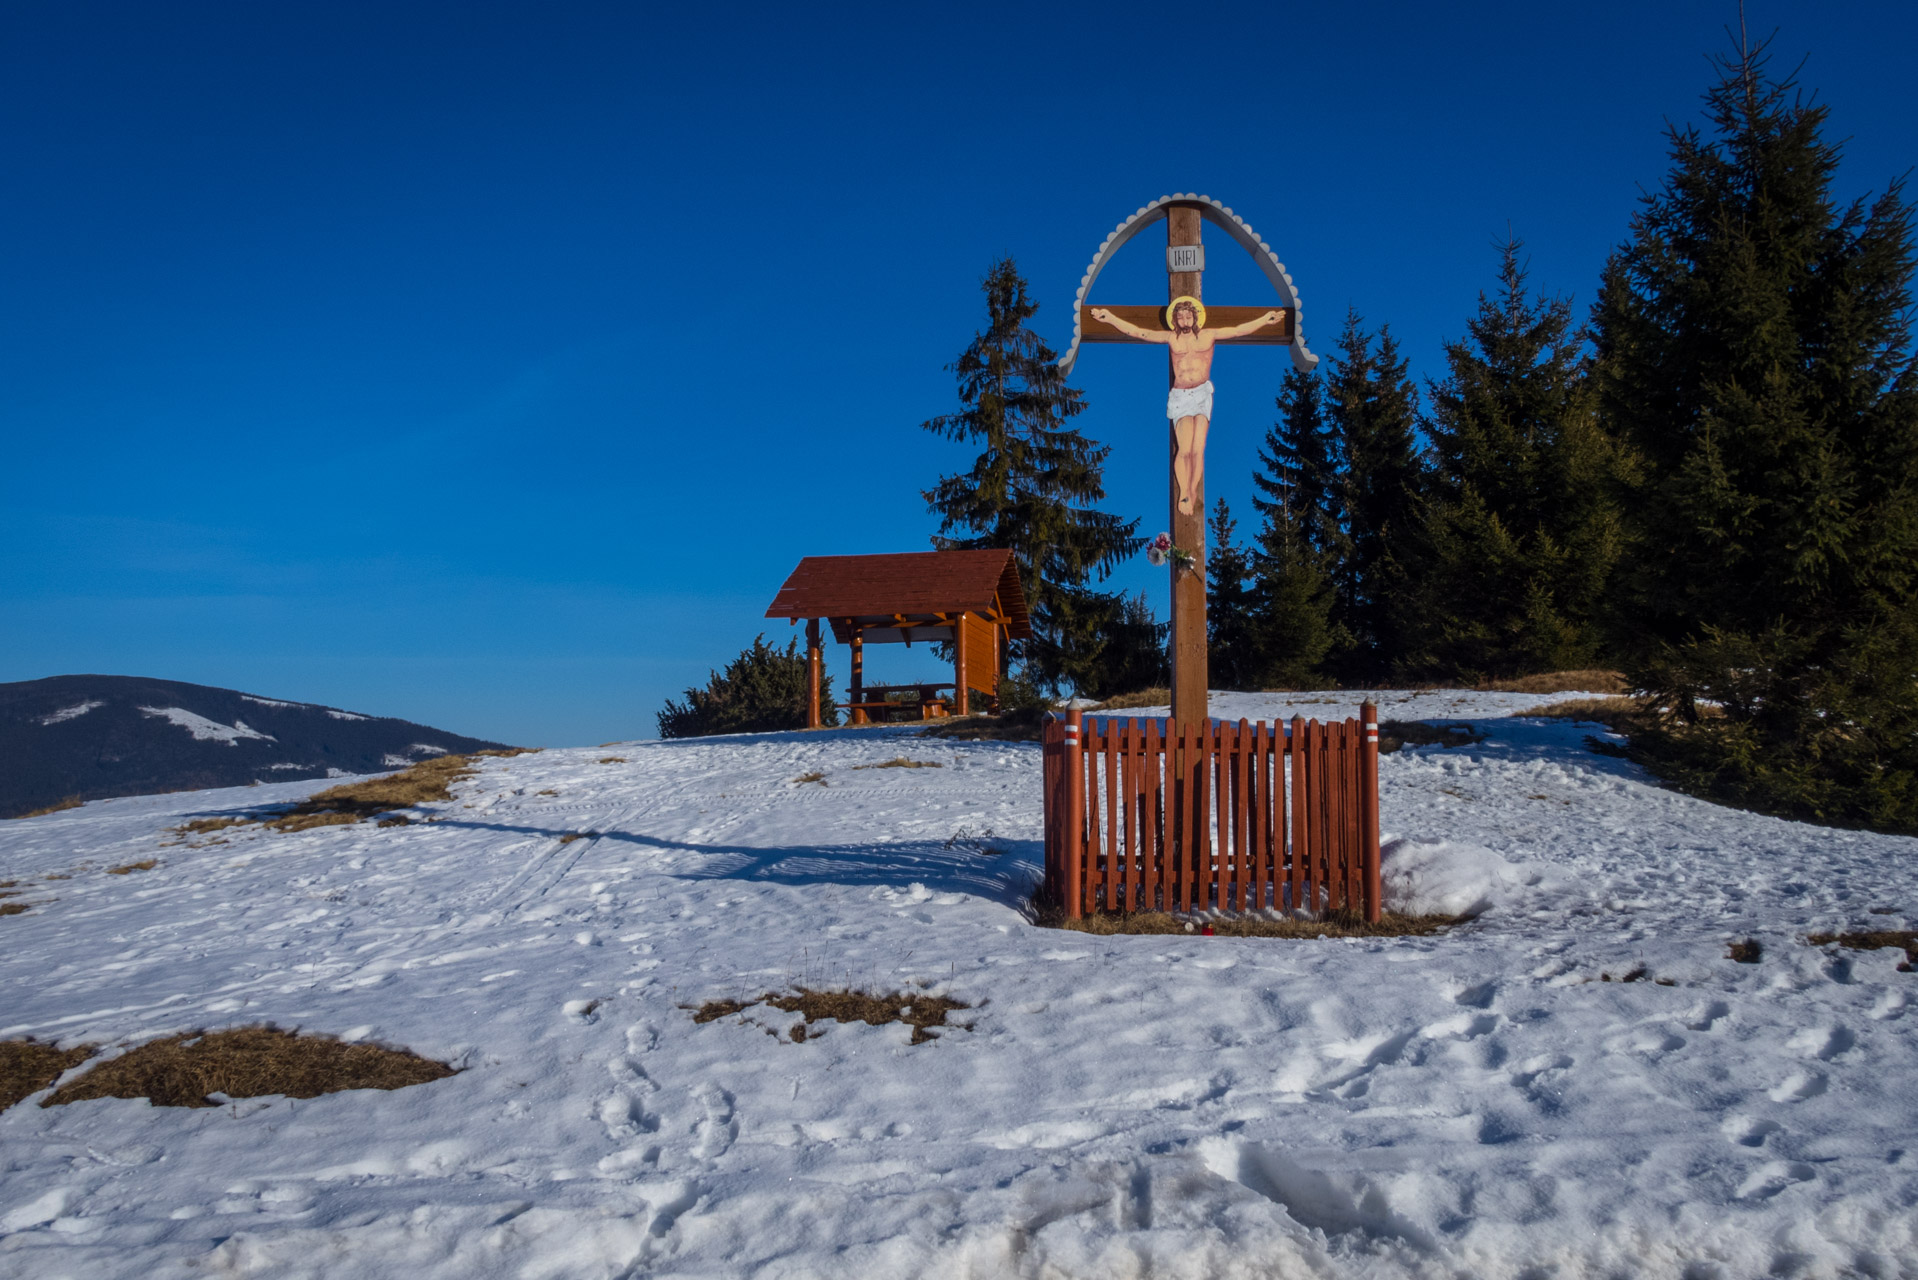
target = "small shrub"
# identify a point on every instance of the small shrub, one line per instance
(145, 864)
(763, 689)
(1749, 951)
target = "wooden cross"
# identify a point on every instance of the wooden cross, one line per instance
(1185, 261)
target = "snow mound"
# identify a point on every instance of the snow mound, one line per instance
(1448, 878)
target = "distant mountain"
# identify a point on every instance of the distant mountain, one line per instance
(100, 736)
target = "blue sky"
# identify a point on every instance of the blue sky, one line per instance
(491, 365)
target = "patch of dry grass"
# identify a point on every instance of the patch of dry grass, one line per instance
(28, 1066)
(1606, 711)
(14, 908)
(1592, 680)
(1748, 951)
(613, 760)
(1872, 940)
(814, 776)
(145, 864)
(424, 783)
(1023, 725)
(247, 1062)
(1142, 698)
(1394, 734)
(571, 836)
(206, 826)
(1338, 924)
(58, 806)
(900, 762)
(918, 1011)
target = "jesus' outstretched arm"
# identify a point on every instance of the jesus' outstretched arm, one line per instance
(1250, 326)
(1129, 329)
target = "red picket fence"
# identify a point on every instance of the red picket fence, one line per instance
(1140, 816)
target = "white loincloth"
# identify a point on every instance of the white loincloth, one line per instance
(1190, 402)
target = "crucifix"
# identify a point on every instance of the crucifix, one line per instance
(1190, 332)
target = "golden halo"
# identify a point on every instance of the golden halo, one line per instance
(1197, 307)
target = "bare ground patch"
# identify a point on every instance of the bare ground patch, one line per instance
(900, 762)
(15, 908)
(28, 1066)
(247, 1062)
(127, 869)
(919, 1011)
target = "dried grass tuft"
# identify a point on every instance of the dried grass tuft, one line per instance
(14, 908)
(571, 836)
(145, 864)
(1337, 924)
(1872, 940)
(58, 806)
(1749, 951)
(1142, 698)
(814, 776)
(28, 1066)
(1591, 680)
(613, 760)
(900, 762)
(919, 1011)
(247, 1062)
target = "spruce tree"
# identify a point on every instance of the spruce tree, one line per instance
(1032, 489)
(1373, 408)
(1296, 493)
(1754, 351)
(1231, 659)
(1518, 531)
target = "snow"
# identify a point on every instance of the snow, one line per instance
(345, 715)
(205, 730)
(1475, 1104)
(1446, 878)
(73, 712)
(271, 702)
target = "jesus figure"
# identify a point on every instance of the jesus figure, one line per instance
(1189, 405)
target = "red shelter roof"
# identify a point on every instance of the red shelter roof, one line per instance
(910, 594)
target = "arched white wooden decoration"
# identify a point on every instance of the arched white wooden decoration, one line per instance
(1219, 216)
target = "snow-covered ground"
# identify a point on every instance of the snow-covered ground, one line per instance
(1472, 1105)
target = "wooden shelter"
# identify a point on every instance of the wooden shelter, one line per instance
(971, 599)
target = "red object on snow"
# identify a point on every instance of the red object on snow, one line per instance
(1208, 931)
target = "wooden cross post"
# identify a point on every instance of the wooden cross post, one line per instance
(1190, 357)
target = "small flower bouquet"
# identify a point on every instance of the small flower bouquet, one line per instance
(1160, 550)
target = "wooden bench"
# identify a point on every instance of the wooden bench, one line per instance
(880, 709)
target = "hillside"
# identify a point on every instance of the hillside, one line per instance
(1479, 1103)
(100, 736)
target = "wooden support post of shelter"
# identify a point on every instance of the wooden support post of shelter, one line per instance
(971, 600)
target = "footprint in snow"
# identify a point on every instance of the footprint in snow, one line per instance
(716, 1128)
(1772, 1177)
(1707, 1015)
(1798, 1086)
(1747, 1131)
(1823, 1043)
